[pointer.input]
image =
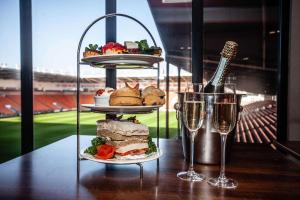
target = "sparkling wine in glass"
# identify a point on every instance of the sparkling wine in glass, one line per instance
(224, 120)
(193, 116)
(224, 117)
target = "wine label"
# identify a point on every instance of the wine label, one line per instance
(219, 73)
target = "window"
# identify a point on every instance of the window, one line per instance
(10, 101)
(57, 28)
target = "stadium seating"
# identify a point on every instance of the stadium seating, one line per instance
(257, 123)
(11, 104)
(3, 109)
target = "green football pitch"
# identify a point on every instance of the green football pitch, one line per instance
(51, 127)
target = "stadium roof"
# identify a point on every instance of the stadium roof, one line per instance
(253, 24)
(237, 20)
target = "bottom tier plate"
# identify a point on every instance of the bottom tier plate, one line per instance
(124, 160)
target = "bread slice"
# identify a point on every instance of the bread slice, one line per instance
(124, 128)
(117, 137)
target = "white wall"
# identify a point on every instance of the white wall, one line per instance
(294, 74)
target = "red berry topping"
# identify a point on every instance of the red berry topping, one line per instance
(100, 92)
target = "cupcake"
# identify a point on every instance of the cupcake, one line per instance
(102, 97)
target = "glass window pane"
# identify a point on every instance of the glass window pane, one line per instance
(163, 21)
(57, 28)
(254, 26)
(10, 101)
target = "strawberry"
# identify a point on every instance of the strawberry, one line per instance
(100, 92)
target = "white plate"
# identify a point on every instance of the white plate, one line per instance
(124, 161)
(122, 60)
(121, 109)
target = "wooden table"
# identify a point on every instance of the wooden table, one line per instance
(50, 173)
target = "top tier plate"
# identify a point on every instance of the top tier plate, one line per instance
(122, 61)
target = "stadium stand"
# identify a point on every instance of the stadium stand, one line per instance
(257, 123)
(10, 105)
(55, 93)
(3, 110)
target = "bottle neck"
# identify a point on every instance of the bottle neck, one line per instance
(219, 74)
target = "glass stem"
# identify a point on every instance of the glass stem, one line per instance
(223, 151)
(191, 168)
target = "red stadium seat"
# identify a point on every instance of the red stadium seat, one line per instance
(47, 102)
(257, 123)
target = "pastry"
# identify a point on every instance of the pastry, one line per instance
(132, 47)
(156, 51)
(126, 96)
(153, 96)
(91, 50)
(145, 49)
(125, 101)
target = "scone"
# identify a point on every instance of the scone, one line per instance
(153, 96)
(126, 96)
(125, 101)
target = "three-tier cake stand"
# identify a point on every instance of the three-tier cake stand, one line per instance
(118, 61)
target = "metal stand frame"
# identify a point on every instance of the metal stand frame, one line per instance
(78, 82)
(141, 170)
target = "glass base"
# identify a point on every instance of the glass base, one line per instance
(191, 176)
(223, 183)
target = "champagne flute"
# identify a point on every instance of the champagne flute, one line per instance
(224, 120)
(193, 115)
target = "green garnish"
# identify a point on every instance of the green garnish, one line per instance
(95, 142)
(98, 141)
(91, 150)
(152, 147)
(133, 118)
(91, 47)
(143, 45)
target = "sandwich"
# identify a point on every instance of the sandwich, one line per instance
(121, 138)
(128, 137)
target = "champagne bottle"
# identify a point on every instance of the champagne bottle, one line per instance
(227, 55)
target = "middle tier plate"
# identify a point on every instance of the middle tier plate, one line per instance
(121, 109)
